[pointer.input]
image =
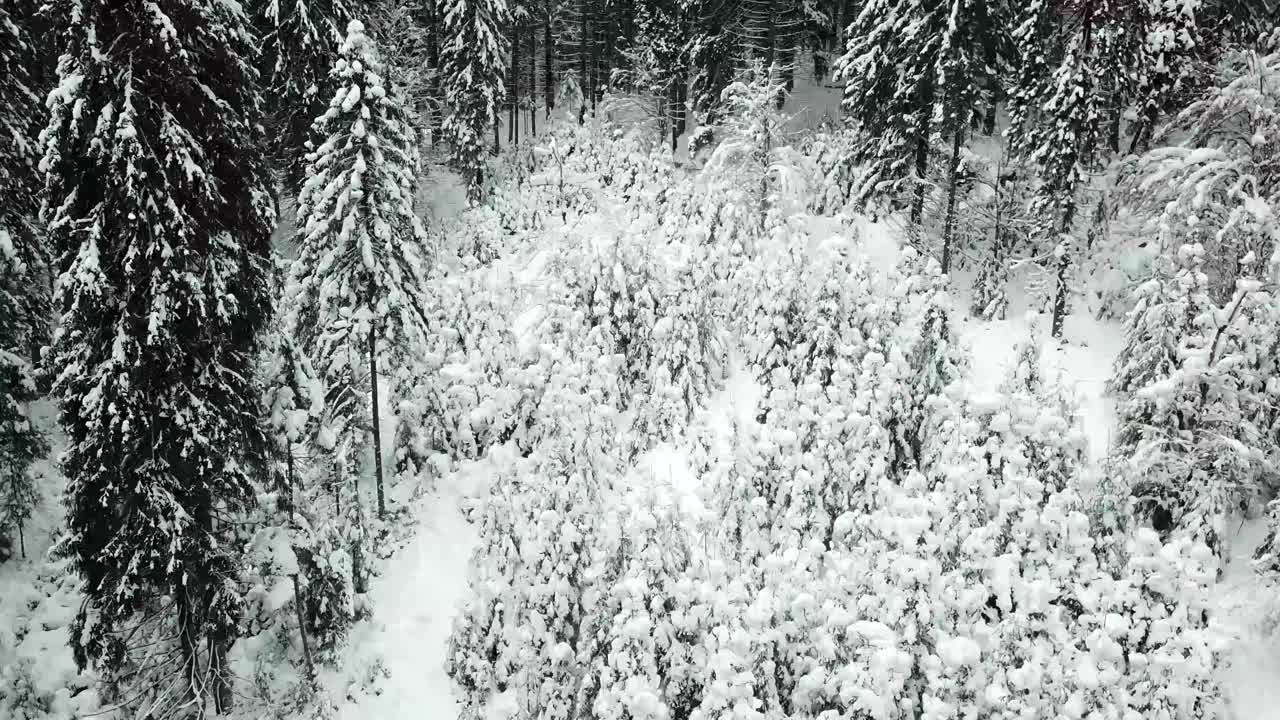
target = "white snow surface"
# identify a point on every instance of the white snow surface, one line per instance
(413, 603)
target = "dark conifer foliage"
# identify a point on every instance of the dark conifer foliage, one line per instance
(299, 44)
(159, 210)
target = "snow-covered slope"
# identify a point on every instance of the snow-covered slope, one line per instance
(412, 603)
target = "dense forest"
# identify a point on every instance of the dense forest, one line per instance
(276, 275)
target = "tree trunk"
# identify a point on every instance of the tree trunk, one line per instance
(990, 57)
(594, 67)
(1064, 267)
(533, 80)
(298, 602)
(584, 40)
(298, 599)
(513, 92)
(1060, 290)
(924, 108)
(219, 672)
(377, 422)
(674, 111)
(189, 649)
(548, 64)
(358, 581)
(434, 112)
(949, 225)
(839, 34)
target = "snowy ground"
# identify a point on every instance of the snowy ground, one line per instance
(413, 603)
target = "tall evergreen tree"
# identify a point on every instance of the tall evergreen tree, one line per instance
(1061, 115)
(472, 58)
(911, 70)
(356, 284)
(299, 44)
(23, 276)
(159, 210)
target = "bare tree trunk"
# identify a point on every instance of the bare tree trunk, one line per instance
(989, 56)
(548, 63)
(594, 67)
(533, 80)
(673, 111)
(513, 92)
(584, 39)
(434, 112)
(949, 225)
(377, 422)
(1060, 291)
(1061, 288)
(839, 48)
(218, 673)
(298, 599)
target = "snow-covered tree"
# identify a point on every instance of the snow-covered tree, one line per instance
(912, 70)
(936, 359)
(685, 365)
(23, 281)
(1195, 443)
(21, 442)
(472, 56)
(645, 670)
(1172, 668)
(355, 287)
(299, 42)
(1008, 224)
(481, 658)
(1208, 180)
(658, 65)
(1174, 42)
(1062, 114)
(158, 205)
(567, 560)
(753, 174)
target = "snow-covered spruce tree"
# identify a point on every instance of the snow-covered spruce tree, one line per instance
(1208, 181)
(472, 65)
(968, 82)
(23, 277)
(568, 560)
(297, 540)
(1172, 666)
(1009, 225)
(299, 44)
(995, 563)
(481, 656)
(21, 442)
(1169, 54)
(935, 358)
(158, 206)
(1054, 443)
(1165, 316)
(686, 353)
(1060, 119)
(912, 70)
(646, 668)
(362, 249)
(1207, 449)
(657, 65)
(752, 175)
